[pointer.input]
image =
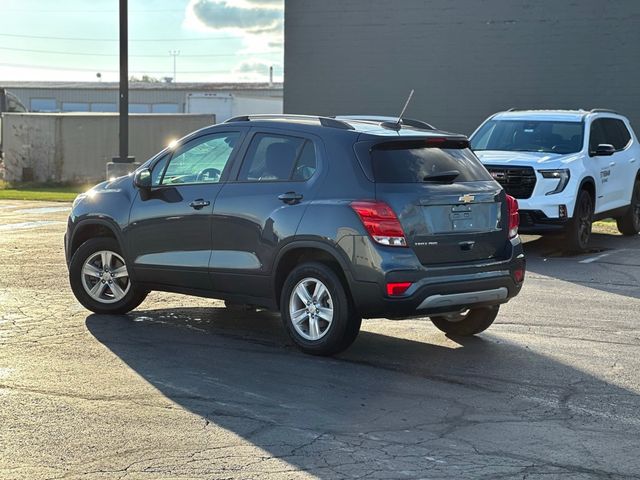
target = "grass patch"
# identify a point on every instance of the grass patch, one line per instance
(39, 191)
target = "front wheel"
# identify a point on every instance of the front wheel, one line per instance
(316, 310)
(467, 323)
(629, 224)
(100, 280)
(579, 229)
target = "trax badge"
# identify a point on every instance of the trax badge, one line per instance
(466, 198)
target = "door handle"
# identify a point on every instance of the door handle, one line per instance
(611, 164)
(199, 203)
(290, 198)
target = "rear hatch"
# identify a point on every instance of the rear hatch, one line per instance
(450, 208)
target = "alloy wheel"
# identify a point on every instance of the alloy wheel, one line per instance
(635, 205)
(585, 220)
(105, 277)
(311, 309)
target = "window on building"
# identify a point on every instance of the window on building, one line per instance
(44, 105)
(165, 108)
(75, 107)
(103, 107)
(139, 108)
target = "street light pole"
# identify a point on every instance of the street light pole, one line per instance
(174, 54)
(124, 83)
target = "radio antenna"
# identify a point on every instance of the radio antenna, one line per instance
(404, 109)
(398, 124)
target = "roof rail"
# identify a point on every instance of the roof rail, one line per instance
(603, 110)
(409, 122)
(324, 121)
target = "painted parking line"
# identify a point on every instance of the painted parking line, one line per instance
(27, 225)
(43, 210)
(597, 257)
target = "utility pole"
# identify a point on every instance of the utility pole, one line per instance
(174, 54)
(124, 82)
(123, 163)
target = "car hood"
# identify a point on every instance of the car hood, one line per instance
(499, 157)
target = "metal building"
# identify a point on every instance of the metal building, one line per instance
(222, 100)
(465, 59)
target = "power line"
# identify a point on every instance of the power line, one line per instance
(87, 39)
(73, 69)
(198, 55)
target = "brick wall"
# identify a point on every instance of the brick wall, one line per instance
(465, 59)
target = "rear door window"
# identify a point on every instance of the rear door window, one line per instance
(414, 162)
(273, 158)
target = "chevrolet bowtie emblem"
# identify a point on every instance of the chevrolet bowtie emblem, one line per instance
(467, 198)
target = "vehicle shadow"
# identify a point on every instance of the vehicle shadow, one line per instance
(387, 407)
(612, 263)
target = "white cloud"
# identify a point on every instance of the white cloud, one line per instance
(238, 16)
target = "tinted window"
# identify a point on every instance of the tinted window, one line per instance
(529, 136)
(597, 135)
(616, 133)
(277, 157)
(404, 162)
(202, 160)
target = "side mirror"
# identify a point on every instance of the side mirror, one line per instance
(142, 179)
(604, 150)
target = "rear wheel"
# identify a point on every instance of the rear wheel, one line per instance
(629, 224)
(579, 229)
(100, 280)
(467, 323)
(316, 310)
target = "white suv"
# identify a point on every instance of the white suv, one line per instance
(567, 168)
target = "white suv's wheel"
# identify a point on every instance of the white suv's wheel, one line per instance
(629, 224)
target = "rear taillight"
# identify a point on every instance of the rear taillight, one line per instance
(381, 222)
(396, 289)
(513, 216)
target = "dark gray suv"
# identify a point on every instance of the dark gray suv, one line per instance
(327, 220)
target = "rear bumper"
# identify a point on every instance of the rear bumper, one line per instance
(537, 222)
(438, 290)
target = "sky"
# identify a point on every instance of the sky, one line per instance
(215, 40)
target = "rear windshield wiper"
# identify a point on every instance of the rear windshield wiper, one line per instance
(445, 177)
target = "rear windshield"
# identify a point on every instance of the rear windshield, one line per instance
(529, 136)
(409, 162)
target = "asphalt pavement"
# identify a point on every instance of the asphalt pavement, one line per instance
(183, 388)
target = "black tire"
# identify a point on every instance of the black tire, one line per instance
(343, 329)
(474, 321)
(579, 229)
(133, 296)
(629, 224)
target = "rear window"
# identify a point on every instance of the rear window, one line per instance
(413, 162)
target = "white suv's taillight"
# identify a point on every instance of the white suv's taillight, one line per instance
(381, 222)
(513, 216)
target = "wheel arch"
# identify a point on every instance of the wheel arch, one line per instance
(297, 252)
(93, 228)
(589, 184)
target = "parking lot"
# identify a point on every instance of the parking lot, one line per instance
(183, 388)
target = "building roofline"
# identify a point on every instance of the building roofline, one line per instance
(186, 86)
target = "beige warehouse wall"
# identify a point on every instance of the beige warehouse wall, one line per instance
(76, 147)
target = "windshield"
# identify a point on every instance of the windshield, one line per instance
(529, 136)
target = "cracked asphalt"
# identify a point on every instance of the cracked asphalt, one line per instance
(183, 388)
